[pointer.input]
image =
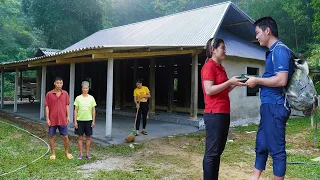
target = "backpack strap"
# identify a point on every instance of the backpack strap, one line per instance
(279, 44)
(286, 104)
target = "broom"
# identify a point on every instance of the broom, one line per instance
(131, 137)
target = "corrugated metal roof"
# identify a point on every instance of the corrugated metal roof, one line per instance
(237, 46)
(185, 29)
(48, 51)
(189, 28)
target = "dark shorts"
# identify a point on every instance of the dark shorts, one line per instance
(84, 127)
(62, 129)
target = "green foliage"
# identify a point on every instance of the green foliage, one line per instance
(314, 58)
(293, 19)
(316, 22)
(29, 24)
(18, 39)
(65, 22)
(124, 12)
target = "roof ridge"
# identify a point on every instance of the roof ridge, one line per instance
(174, 14)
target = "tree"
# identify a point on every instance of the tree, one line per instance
(65, 22)
(293, 19)
(316, 22)
(18, 39)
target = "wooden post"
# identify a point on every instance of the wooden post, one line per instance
(21, 83)
(152, 87)
(109, 98)
(38, 94)
(194, 87)
(187, 90)
(15, 105)
(71, 92)
(117, 104)
(2, 89)
(135, 66)
(43, 91)
(170, 86)
(124, 81)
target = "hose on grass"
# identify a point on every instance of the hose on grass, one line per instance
(304, 163)
(315, 115)
(48, 149)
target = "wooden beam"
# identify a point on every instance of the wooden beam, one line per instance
(72, 55)
(44, 64)
(15, 65)
(78, 60)
(140, 54)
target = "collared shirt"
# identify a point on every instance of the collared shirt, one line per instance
(218, 103)
(281, 63)
(57, 107)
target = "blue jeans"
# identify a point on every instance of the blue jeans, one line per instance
(271, 138)
(217, 128)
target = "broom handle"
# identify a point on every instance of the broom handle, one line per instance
(135, 120)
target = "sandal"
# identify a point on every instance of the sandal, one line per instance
(136, 134)
(69, 156)
(52, 157)
(144, 132)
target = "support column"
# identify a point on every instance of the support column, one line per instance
(187, 88)
(2, 89)
(124, 85)
(38, 94)
(135, 69)
(117, 86)
(109, 98)
(15, 105)
(21, 83)
(194, 87)
(71, 92)
(43, 91)
(170, 86)
(152, 87)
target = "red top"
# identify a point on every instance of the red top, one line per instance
(57, 107)
(218, 103)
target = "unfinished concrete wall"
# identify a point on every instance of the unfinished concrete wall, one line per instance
(244, 108)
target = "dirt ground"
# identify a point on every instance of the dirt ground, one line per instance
(171, 157)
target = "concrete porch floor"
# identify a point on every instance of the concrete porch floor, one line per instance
(122, 123)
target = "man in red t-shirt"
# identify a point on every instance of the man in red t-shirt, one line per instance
(57, 115)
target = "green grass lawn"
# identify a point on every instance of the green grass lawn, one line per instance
(296, 127)
(179, 157)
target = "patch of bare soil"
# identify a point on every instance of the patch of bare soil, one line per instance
(108, 164)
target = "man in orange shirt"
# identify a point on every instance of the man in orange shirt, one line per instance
(57, 115)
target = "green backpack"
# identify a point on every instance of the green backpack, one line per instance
(299, 91)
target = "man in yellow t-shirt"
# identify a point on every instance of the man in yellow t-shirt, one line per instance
(84, 118)
(141, 95)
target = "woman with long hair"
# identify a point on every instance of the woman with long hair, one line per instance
(216, 87)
